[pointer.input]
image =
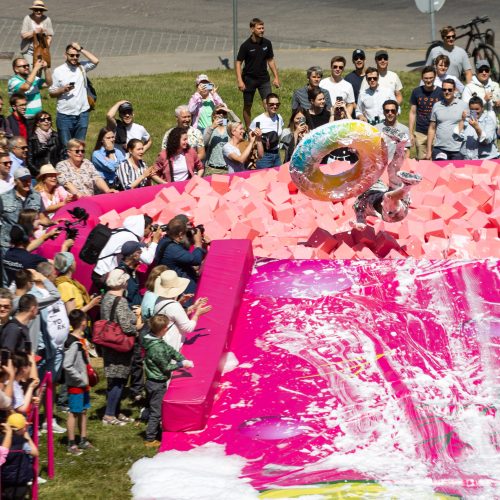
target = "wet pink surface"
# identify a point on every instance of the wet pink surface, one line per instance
(381, 370)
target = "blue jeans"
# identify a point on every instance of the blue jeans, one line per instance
(269, 160)
(114, 396)
(72, 126)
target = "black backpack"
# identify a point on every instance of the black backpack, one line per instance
(17, 469)
(96, 241)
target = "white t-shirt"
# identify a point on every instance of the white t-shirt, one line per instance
(388, 81)
(180, 322)
(75, 101)
(180, 169)
(135, 131)
(338, 89)
(57, 322)
(6, 185)
(232, 166)
(267, 124)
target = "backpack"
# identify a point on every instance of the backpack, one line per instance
(95, 243)
(17, 469)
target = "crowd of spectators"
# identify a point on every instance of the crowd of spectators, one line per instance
(45, 314)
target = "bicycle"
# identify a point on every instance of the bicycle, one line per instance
(482, 43)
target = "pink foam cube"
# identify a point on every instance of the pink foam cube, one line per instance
(459, 182)
(220, 183)
(481, 193)
(284, 174)
(344, 251)
(242, 231)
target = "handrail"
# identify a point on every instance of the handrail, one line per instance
(46, 386)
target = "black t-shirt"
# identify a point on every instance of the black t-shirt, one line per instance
(19, 258)
(355, 80)
(13, 336)
(255, 56)
(315, 121)
(424, 101)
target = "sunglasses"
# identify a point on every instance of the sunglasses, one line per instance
(483, 70)
(372, 78)
(39, 11)
(6, 163)
(448, 90)
(23, 66)
(450, 37)
(5, 306)
(358, 58)
(45, 119)
(274, 104)
(73, 55)
(382, 58)
(337, 67)
(78, 151)
(390, 111)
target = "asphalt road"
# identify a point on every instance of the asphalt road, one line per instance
(338, 23)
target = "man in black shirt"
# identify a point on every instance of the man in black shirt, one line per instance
(15, 332)
(256, 53)
(355, 78)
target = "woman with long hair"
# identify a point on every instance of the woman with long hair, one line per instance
(318, 114)
(179, 161)
(106, 158)
(43, 145)
(133, 172)
(297, 129)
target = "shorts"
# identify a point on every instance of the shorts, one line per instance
(264, 89)
(78, 403)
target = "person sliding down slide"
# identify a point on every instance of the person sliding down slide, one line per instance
(388, 203)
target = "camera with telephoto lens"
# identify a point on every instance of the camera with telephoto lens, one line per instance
(155, 227)
(192, 230)
(80, 216)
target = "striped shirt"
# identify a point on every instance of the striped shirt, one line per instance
(32, 95)
(127, 174)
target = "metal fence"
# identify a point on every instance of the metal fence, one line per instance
(124, 41)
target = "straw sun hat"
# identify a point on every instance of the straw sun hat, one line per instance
(169, 285)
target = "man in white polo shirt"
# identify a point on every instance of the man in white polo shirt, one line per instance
(337, 86)
(70, 88)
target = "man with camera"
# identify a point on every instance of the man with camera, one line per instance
(69, 87)
(371, 99)
(337, 86)
(174, 250)
(135, 228)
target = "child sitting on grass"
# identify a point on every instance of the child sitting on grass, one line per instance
(161, 359)
(76, 376)
(17, 471)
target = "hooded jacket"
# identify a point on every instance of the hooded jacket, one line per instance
(476, 87)
(134, 231)
(161, 359)
(75, 363)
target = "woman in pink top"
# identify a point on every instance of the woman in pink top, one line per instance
(203, 102)
(53, 195)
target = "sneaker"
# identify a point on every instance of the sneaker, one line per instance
(40, 480)
(86, 445)
(74, 450)
(409, 178)
(56, 428)
(124, 418)
(137, 398)
(152, 444)
(113, 421)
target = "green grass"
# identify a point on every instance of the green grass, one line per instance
(156, 96)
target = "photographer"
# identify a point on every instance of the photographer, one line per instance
(135, 228)
(172, 250)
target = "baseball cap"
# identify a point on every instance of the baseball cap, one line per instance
(202, 78)
(17, 421)
(126, 107)
(358, 53)
(21, 173)
(382, 52)
(483, 63)
(130, 247)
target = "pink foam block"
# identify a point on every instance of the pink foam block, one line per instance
(215, 230)
(258, 180)
(459, 182)
(242, 231)
(432, 199)
(278, 193)
(247, 190)
(445, 212)
(435, 227)
(487, 233)
(302, 252)
(477, 218)
(303, 218)
(220, 183)
(111, 218)
(366, 253)
(169, 194)
(193, 182)
(344, 251)
(323, 240)
(223, 217)
(284, 174)
(328, 223)
(130, 211)
(430, 171)
(284, 212)
(481, 193)
(413, 247)
(188, 401)
(487, 248)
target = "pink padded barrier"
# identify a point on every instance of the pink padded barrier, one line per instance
(189, 399)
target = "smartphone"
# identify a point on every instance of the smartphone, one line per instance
(257, 124)
(473, 114)
(27, 346)
(224, 122)
(5, 357)
(71, 84)
(209, 86)
(339, 98)
(302, 121)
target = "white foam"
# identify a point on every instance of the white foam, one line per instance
(204, 473)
